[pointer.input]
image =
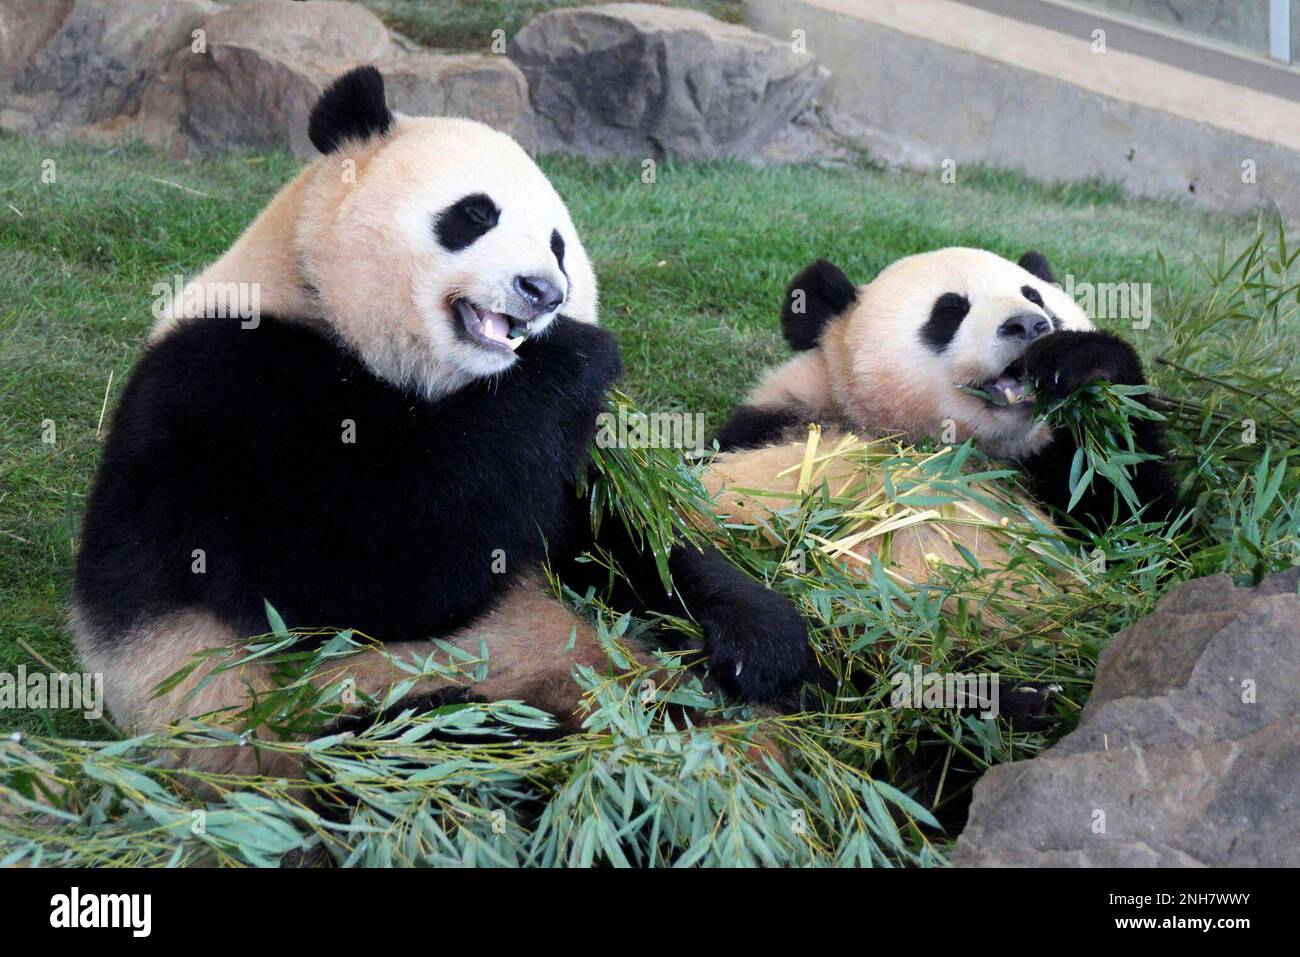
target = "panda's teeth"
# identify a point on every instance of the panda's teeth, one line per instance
(495, 327)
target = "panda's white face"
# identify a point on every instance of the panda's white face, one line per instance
(933, 326)
(448, 245)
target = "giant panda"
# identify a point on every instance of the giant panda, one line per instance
(947, 345)
(950, 344)
(392, 447)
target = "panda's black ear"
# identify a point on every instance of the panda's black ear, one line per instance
(1035, 263)
(351, 108)
(814, 297)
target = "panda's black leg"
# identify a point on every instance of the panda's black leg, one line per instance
(1057, 365)
(756, 642)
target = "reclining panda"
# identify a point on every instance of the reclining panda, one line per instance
(393, 447)
(891, 358)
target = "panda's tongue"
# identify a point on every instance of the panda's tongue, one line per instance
(495, 327)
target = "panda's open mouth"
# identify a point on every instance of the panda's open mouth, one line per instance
(1010, 387)
(492, 330)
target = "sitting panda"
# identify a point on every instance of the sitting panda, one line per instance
(891, 357)
(391, 447)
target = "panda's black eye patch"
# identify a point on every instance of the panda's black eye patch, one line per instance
(948, 312)
(1030, 293)
(557, 249)
(465, 220)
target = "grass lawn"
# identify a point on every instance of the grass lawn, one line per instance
(691, 269)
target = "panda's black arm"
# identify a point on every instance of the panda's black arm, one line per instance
(1057, 365)
(757, 643)
(751, 427)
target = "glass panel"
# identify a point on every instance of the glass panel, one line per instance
(1241, 23)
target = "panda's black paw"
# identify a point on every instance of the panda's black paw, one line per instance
(758, 646)
(1058, 364)
(569, 356)
(755, 640)
(1029, 705)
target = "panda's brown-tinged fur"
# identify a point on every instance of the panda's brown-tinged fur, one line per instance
(748, 486)
(888, 358)
(365, 454)
(533, 644)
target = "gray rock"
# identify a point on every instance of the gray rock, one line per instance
(118, 69)
(25, 27)
(825, 135)
(306, 30)
(253, 84)
(268, 61)
(241, 96)
(644, 80)
(1188, 752)
(489, 89)
(78, 67)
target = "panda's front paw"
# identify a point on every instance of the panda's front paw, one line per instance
(758, 646)
(570, 366)
(569, 337)
(1060, 363)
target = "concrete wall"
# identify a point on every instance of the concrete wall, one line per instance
(1011, 100)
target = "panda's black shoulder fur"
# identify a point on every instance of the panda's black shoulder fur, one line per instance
(269, 463)
(352, 107)
(814, 297)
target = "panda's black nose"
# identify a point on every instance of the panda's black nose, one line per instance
(539, 292)
(1027, 326)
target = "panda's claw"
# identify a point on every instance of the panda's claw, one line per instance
(759, 649)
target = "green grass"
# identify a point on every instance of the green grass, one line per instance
(468, 25)
(692, 268)
(691, 271)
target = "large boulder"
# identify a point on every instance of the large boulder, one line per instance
(642, 80)
(255, 77)
(1188, 752)
(25, 27)
(200, 77)
(78, 66)
(487, 88)
(294, 30)
(267, 61)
